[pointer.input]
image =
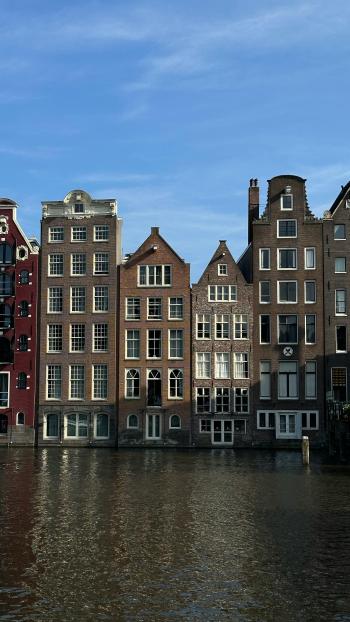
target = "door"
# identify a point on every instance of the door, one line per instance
(3, 424)
(288, 425)
(222, 432)
(153, 427)
(154, 389)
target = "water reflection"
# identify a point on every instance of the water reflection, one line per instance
(152, 535)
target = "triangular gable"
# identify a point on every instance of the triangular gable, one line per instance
(147, 244)
(224, 252)
(342, 194)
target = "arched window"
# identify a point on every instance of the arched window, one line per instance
(5, 284)
(6, 253)
(175, 422)
(22, 380)
(132, 383)
(20, 418)
(154, 388)
(6, 354)
(176, 384)
(51, 426)
(133, 421)
(23, 343)
(5, 316)
(3, 424)
(24, 277)
(24, 308)
(102, 426)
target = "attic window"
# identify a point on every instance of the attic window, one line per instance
(78, 208)
(287, 201)
(222, 269)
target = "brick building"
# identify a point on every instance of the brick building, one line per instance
(285, 263)
(154, 347)
(221, 354)
(81, 250)
(19, 259)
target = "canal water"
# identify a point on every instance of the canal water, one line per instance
(148, 535)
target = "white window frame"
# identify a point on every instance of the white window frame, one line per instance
(50, 299)
(154, 317)
(7, 373)
(178, 340)
(132, 397)
(286, 237)
(288, 398)
(59, 337)
(264, 302)
(178, 427)
(106, 288)
(60, 263)
(222, 322)
(240, 322)
(132, 427)
(177, 397)
(219, 296)
(287, 343)
(346, 338)
(310, 343)
(58, 366)
(95, 426)
(177, 305)
(203, 321)
(306, 374)
(219, 365)
(83, 336)
(310, 302)
(100, 259)
(204, 363)
(260, 258)
(264, 343)
(266, 414)
(80, 263)
(153, 437)
(265, 397)
(287, 248)
(148, 266)
(106, 228)
(306, 249)
(77, 415)
(207, 389)
(158, 340)
(241, 412)
(100, 380)
(287, 302)
(286, 209)
(71, 299)
(81, 228)
(128, 317)
(222, 412)
(243, 363)
(335, 265)
(50, 241)
(308, 413)
(132, 358)
(225, 272)
(340, 289)
(77, 399)
(46, 436)
(95, 336)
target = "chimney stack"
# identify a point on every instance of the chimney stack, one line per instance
(253, 206)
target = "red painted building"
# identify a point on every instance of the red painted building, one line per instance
(19, 262)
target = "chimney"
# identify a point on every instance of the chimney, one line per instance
(253, 206)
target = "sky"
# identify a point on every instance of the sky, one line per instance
(171, 107)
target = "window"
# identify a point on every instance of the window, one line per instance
(203, 326)
(340, 339)
(132, 389)
(203, 399)
(310, 258)
(23, 343)
(241, 400)
(203, 365)
(340, 264)
(56, 265)
(5, 316)
(77, 337)
(4, 390)
(133, 308)
(288, 380)
(101, 233)
(310, 380)
(264, 259)
(6, 288)
(77, 299)
(56, 234)
(241, 326)
(101, 426)
(23, 308)
(154, 308)
(99, 381)
(176, 309)
(6, 254)
(153, 427)
(339, 232)
(287, 258)
(222, 293)
(239, 426)
(132, 344)
(6, 352)
(176, 384)
(100, 337)
(264, 292)
(309, 420)
(287, 292)
(176, 344)
(222, 400)
(222, 365)
(51, 425)
(54, 338)
(78, 234)
(222, 326)
(152, 276)
(54, 382)
(101, 298)
(241, 365)
(24, 277)
(286, 228)
(132, 422)
(154, 344)
(77, 382)
(266, 420)
(76, 425)
(222, 269)
(340, 302)
(154, 387)
(288, 329)
(287, 201)
(265, 380)
(339, 385)
(78, 264)
(310, 328)
(174, 422)
(310, 292)
(22, 380)
(205, 425)
(54, 300)
(78, 208)
(101, 263)
(265, 329)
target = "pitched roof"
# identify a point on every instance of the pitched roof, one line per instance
(340, 197)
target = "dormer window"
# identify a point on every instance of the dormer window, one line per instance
(79, 208)
(222, 269)
(287, 201)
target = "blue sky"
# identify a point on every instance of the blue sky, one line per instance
(171, 107)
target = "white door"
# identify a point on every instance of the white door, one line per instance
(288, 425)
(222, 432)
(153, 427)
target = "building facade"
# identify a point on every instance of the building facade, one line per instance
(222, 361)
(286, 250)
(19, 261)
(154, 347)
(81, 250)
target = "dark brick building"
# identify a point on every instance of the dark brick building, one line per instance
(222, 362)
(154, 347)
(19, 259)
